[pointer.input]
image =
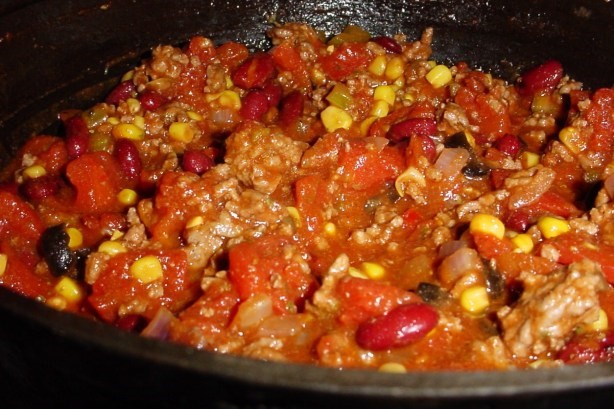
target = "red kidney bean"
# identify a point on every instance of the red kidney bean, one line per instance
(544, 77)
(254, 105)
(255, 72)
(589, 348)
(389, 43)
(41, 187)
(128, 157)
(196, 162)
(291, 108)
(273, 94)
(509, 145)
(517, 221)
(121, 92)
(399, 327)
(151, 100)
(77, 137)
(413, 126)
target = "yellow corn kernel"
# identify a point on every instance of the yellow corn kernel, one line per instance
(127, 197)
(57, 302)
(230, 99)
(113, 120)
(75, 238)
(392, 367)
(430, 64)
(147, 269)
(134, 105)
(469, 137)
(330, 228)
(384, 93)
(128, 76)
(487, 224)
(34, 171)
(139, 121)
(409, 97)
(571, 138)
(374, 271)
(529, 159)
(4, 260)
(439, 76)
(194, 116)
(356, 273)
(318, 77)
(295, 215)
(378, 65)
(111, 248)
(538, 363)
(399, 82)
(394, 68)
(551, 226)
(211, 97)
(411, 175)
(181, 132)
(228, 81)
(194, 221)
(523, 243)
(128, 131)
(69, 289)
(601, 324)
(117, 234)
(335, 118)
(475, 299)
(380, 109)
(365, 125)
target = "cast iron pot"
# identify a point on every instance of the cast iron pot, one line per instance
(61, 54)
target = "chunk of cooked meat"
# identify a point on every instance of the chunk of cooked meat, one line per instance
(551, 307)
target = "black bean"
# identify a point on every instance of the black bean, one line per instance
(54, 246)
(475, 169)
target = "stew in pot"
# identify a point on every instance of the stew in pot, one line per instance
(345, 202)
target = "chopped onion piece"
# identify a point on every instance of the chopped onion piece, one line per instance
(251, 312)
(158, 327)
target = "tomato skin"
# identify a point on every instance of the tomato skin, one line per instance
(20, 231)
(286, 57)
(205, 322)
(254, 265)
(345, 60)
(575, 247)
(493, 124)
(96, 178)
(365, 168)
(600, 116)
(116, 287)
(490, 246)
(362, 299)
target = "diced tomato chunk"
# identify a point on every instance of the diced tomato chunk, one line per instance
(362, 299)
(116, 289)
(260, 267)
(575, 247)
(345, 60)
(365, 168)
(96, 178)
(490, 246)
